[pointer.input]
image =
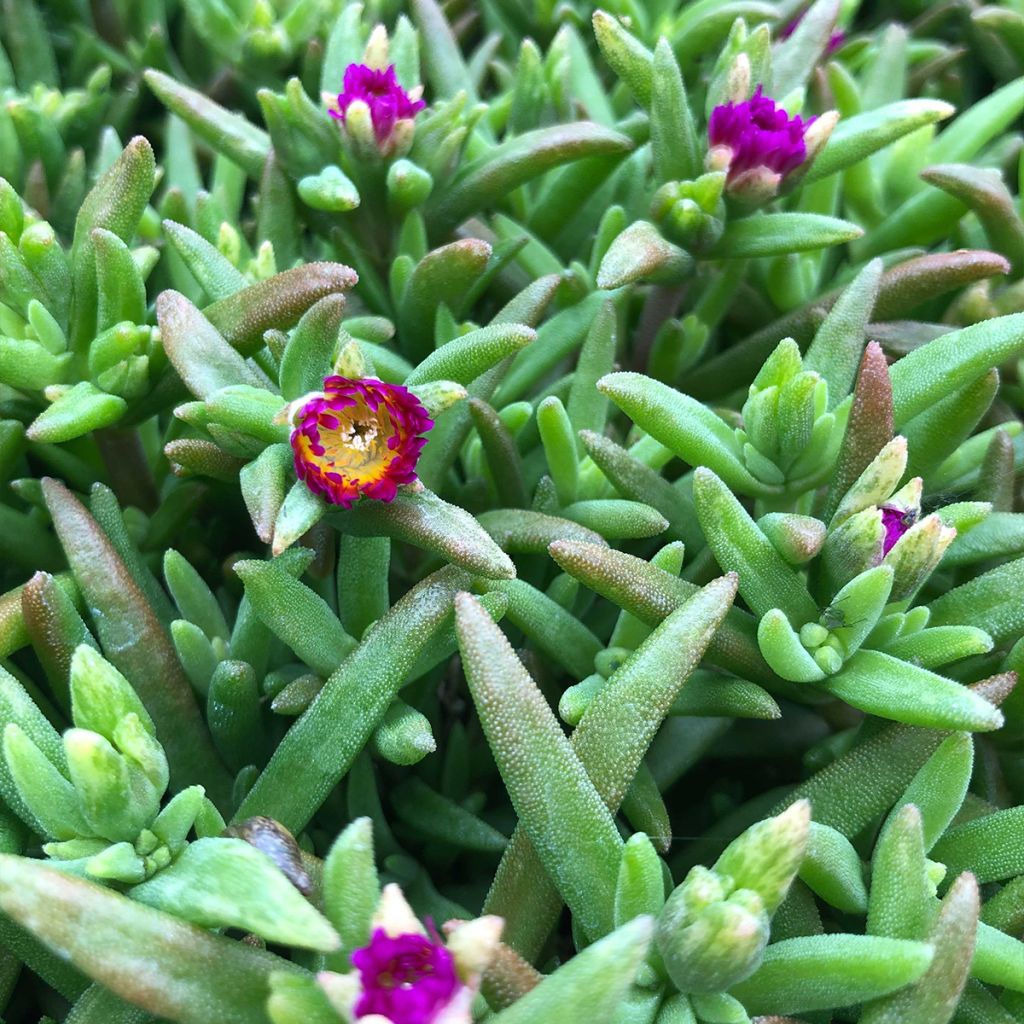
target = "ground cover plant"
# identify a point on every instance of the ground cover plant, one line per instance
(510, 511)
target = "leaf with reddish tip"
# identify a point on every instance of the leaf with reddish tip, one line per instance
(903, 288)
(651, 594)
(869, 428)
(147, 957)
(640, 253)
(908, 285)
(934, 997)
(277, 302)
(984, 191)
(134, 642)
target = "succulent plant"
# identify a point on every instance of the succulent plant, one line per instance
(511, 512)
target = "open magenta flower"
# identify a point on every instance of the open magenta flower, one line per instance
(896, 522)
(358, 437)
(407, 978)
(756, 136)
(377, 94)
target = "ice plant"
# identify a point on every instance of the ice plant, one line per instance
(756, 142)
(377, 95)
(245, 697)
(358, 437)
(407, 978)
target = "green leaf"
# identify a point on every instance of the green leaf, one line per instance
(353, 701)
(838, 344)
(857, 137)
(776, 234)
(296, 615)
(570, 826)
(556, 632)
(641, 885)
(899, 905)
(445, 66)
(197, 350)
(626, 55)
(350, 888)
(116, 203)
(443, 276)
(766, 581)
(194, 599)
(821, 971)
(404, 736)
(673, 134)
(228, 133)
(795, 57)
(221, 883)
(988, 846)
(687, 427)
(951, 361)
(590, 988)
(309, 354)
(832, 869)
(442, 820)
(939, 787)
(40, 788)
(651, 594)
(466, 357)
(884, 686)
(636, 480)
(420, 517)
(102, 933)
(517, 161)
(610, 742)
(78, 411)
(215, 273)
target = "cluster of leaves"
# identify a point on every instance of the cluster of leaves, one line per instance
(702, 619)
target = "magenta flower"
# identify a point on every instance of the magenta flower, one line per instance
(359, 437)
(388, 102)
(408, 978)
(756, 136)
(896, 522)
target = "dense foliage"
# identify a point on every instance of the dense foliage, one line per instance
(509, 511)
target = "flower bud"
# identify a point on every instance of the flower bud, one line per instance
(473, 944)
(768, 855)
(394, 915)
(710, 937)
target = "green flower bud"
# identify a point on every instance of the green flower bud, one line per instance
(767, 856)
(709, 935)
(408, 184)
